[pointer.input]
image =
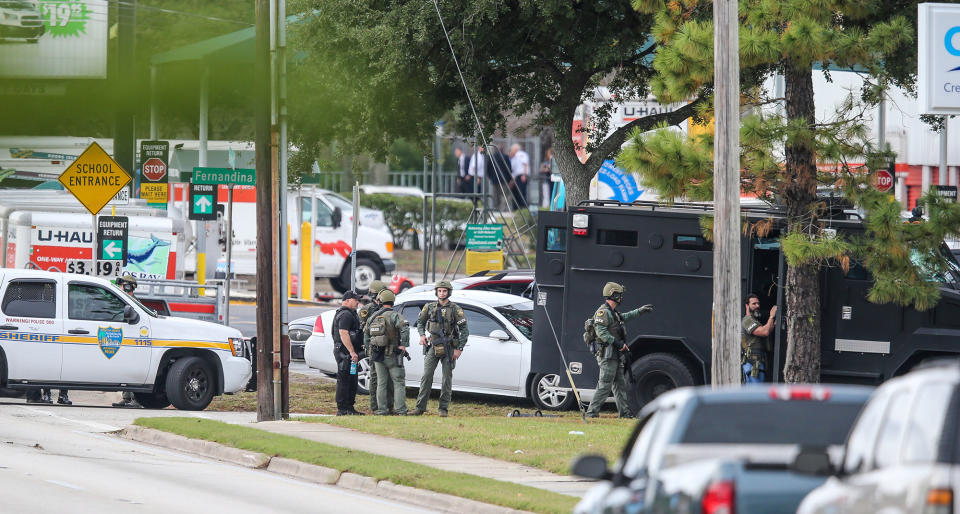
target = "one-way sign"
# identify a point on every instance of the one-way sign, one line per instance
(112, 235)
(203, 199)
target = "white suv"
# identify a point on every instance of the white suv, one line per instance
(70, 331)
(902, 454)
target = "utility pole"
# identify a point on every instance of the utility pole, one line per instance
(726, 196)
(265, 215)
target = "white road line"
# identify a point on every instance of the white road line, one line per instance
(65, 484)
(97, 426)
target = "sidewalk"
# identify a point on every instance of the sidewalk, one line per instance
(428, 455)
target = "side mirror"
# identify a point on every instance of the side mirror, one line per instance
(499, 335)
(337, 217)
(591, 466)
(813, 460)
(130, 316)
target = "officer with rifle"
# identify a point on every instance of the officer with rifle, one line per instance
(446, 326)
(364, 312)
(609, 343)
(387, 334)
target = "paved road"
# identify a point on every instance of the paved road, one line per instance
(244, 317)
(59, 459)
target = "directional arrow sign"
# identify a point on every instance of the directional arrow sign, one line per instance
(202, 202)
(112, 234)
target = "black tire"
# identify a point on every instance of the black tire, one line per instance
(152, 400)
(404, 287)
(657, 373)
(337, 285)
(367, 272)
(190, 384)
(545, 396)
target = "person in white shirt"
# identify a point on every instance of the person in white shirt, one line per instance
(520, 165)
(477, 163)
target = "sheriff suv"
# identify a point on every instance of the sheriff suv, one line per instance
(71, 331)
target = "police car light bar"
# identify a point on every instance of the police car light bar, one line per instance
(580, 223)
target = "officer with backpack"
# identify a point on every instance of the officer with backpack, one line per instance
(607, 336)
(364, 312)
(346, 340)
(387, 333)
(446, 326)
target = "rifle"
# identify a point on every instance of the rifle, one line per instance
(625, 358)
(400, 356)
(439, 338)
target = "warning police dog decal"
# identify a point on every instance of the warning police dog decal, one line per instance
(110, 340)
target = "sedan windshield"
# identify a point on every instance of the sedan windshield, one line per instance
(520, 315)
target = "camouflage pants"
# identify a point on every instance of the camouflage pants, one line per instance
(611, 377)
(389, 371)
(372, 381)
(430, 361)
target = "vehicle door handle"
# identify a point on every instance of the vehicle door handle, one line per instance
(7, 327)
(78, 331)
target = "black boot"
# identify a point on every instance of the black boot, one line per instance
(63, 399)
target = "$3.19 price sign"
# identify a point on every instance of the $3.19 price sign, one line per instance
(85, 267)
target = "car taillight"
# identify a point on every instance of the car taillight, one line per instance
(718, 499)
(939, 501)
(318, 326)
(815, 393)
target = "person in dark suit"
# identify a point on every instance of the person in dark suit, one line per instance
(464, 178)
(499, 171)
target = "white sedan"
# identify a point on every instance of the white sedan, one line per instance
(495, 361)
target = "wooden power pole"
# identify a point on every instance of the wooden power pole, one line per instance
(725, 365)
(266, 216)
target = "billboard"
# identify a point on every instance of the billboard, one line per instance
(53, 39)
(938, 58)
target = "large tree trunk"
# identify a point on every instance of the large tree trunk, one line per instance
(799, 195)
(576, 179)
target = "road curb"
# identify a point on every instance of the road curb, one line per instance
(205, 448)
(313, 473)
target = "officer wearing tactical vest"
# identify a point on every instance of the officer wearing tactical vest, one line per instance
(446, 326)
(364, 312)
(611, 347)
(387, 333)
(754, 344)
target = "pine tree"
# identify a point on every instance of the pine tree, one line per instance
(780, 153)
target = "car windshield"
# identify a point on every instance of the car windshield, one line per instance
(949, 275)
(520, 315)
(339, 201)
(777, 422)
(146, 309)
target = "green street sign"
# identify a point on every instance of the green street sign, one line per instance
(237, 177)
(111, 250)
(484, 237)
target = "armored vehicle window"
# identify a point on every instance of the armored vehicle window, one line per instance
(556, 239)
(857, 272)
(88, 302)
(691, 242)
(30, 299)
(617, 237)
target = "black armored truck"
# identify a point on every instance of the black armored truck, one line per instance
(660, 254)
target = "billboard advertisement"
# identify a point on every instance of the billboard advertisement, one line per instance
(53, 39)
(938, 58)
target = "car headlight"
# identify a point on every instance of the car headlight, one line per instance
(236, 346)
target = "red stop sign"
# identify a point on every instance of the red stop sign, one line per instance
(154, 169)
(883, 181)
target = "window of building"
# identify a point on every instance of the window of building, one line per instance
(617, 237)
(30, 299)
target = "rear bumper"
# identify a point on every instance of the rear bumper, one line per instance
(236, 374)
(296, 351)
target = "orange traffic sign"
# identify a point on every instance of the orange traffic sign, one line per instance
(94, 178)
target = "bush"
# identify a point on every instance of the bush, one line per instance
(404, 216)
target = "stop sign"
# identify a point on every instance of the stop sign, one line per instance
(154, 169)
(883, 181)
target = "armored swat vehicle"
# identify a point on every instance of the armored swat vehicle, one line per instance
(661, 256)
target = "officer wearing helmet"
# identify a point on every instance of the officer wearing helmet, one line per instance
(443, 329)
(611, 339)
(128, 283)
(387, 333)
(364, 312)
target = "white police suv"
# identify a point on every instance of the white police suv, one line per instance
(70, 331)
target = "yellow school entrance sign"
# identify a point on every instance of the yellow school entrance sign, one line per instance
(94, 178)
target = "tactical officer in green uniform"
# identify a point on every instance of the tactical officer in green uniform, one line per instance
(611, 337)
(387, 334)
(754, 345)
(446, 326)
(364, 312)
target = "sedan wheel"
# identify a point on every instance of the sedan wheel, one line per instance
(364, 369)
(548, 393)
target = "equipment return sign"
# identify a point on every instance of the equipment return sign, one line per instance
(112, 234)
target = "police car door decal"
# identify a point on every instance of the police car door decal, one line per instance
(110, 340)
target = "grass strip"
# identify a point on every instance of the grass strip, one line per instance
(398, 471)
(545, 443)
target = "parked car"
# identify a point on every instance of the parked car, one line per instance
(299, 331)
(497, 357)
(515, 282)
(902, 454)
(679, 457)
